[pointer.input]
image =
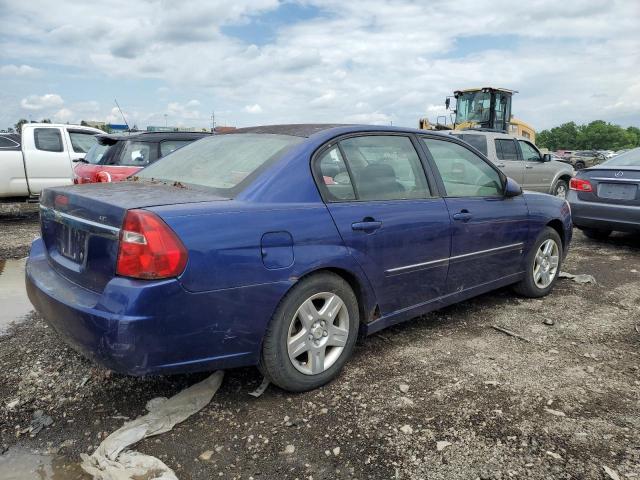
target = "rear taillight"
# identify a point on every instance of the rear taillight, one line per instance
(149, 249)
(103, 177)
(580, 185)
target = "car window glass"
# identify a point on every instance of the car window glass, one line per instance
(95, 153)
(477, 141)
(463, 173)
(334, 175)
(135, 154)
(48, 139)
(385, 168)
(528, 151)
(8, 143)
(81, 141)
(169, 146)
(506, 149)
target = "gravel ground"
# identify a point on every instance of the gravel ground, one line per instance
(444, 396)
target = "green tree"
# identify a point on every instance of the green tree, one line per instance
(45, 120)
(597, 135)
(18, 126)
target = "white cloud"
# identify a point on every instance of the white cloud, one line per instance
(64, 115)
(255, 108)
(371, 61)
(19, 71)
(42, 102)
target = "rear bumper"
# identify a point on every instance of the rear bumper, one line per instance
(606, 216)
(138, 327)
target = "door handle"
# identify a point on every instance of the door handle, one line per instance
(366, 225)
(528, 166)
(462, 216)
(500, 165)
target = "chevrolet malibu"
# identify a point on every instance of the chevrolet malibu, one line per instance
(278, 246)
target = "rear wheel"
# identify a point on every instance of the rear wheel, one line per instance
(596, 234)
(580, 165)
(312, 333)
(543, 265)
(561, 188)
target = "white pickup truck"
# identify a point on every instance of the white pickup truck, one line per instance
(41, 157)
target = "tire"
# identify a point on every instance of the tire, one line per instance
(309, 369)
(596, 234)
(560, 189)
(580, 165)
(531, 285)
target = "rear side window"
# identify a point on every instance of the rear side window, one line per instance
(96, 153)
(7, 143)
(169, 146)
(48, 139)
(136, 154)
(82, 141)
(222, 161)
(335, 177)
(463, 173)
(506, 149)
(385, 168)
(479, 142)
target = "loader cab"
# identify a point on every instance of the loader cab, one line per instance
(485, 108)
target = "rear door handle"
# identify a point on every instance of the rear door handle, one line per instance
(463, 216)
(528, 166)
(366, 225)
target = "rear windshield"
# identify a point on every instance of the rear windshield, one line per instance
(95, 153)
(477, 141)
(222, 162)
(627, 159)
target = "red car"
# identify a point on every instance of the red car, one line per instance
(115, 157)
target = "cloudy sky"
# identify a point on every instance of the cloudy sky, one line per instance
(275, 61)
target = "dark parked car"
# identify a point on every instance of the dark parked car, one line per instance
(607, 197)
(276, 246)
(116, 157)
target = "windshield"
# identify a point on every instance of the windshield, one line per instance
(627, 159)
(473, 107)
(221, 161)
(95, 153)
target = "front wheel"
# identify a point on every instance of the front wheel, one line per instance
(561, 188)
(543, 265)
(312, 334)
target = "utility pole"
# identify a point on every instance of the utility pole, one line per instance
(213, 122)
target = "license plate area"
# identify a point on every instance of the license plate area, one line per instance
(616, 191)
(72, 243)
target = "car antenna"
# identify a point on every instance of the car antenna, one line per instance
(123, 117)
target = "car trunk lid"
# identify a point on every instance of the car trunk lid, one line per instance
(81, 224)
(619, 186)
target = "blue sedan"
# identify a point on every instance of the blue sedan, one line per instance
(277, 246)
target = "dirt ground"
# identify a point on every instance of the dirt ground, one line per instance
(563, 405)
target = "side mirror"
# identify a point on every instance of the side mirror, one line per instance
(546, 157)
(512, 188)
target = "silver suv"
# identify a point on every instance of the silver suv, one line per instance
(521, 160)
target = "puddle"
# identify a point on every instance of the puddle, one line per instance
(23, 464)
(14, 304)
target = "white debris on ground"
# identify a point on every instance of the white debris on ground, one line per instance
(579, 278)
(111, 461)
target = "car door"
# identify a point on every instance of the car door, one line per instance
(538, 174)
(488, 230)
(46, 158)
(388, 215)
(508, 159)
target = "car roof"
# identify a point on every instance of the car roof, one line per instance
(111, 138)
(311, 129)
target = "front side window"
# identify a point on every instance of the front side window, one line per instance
(222, 161)
(82, 141)
(385, 167)
(463, 173)
(95, 153)
(136, 154)
(170, 146)
(335, 177)
(529, 152)
(506, 149)
(48, 139)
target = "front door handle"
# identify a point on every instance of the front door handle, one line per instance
(462, 216)
(528, 166)
(500, 165)
(366, 225)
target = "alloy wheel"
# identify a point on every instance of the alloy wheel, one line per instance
(561, 191)
(318, 333)
(545, 266)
